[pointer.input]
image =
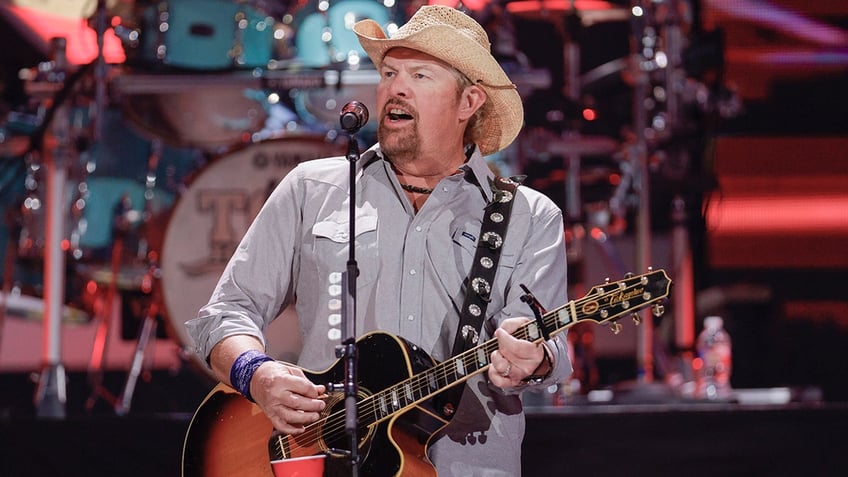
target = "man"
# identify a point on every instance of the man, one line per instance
(442, 103)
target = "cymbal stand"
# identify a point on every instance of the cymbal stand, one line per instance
(51, 393)
(569, 29)
(674, 41)
(657, 46)
(571, 89)
(147, 333)
(100, 72)
(120, 227)
(149, 323)
(644, 46)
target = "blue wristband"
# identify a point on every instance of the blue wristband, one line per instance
(243, 368)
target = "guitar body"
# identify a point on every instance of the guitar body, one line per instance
(401, 391)
(229, 435)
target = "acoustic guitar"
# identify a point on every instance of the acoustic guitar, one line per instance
(398, 408)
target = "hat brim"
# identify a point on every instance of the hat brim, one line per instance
(506, 116)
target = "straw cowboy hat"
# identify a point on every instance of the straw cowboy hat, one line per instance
(458, 40)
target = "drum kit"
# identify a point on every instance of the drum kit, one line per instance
(127, 165)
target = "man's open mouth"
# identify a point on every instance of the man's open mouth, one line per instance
(396, 114)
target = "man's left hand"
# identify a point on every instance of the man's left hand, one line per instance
(515, 359)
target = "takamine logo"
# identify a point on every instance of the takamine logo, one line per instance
(622, 296)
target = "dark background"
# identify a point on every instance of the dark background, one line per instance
(775, 122)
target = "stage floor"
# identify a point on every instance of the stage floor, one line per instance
(622, 437)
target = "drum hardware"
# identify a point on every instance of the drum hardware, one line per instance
(147, 333)
(121, 226)
(582, 145)
(56, 145)
(139, 274)
(217, 112)
(587, 217)
(528, 80)
(149, 323)
(658, 81)
(618, 66)
(208, 118)
(57, 152)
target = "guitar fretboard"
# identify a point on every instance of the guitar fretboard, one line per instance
(602, 304)
(452, 371)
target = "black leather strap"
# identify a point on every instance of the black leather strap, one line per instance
(478, 286)
(482, 275)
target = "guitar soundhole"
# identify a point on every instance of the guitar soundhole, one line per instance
(335, 438)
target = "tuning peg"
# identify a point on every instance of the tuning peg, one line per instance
(628, 275)
(606, 280)
(636, 318)
(615, 327)
(658, 309)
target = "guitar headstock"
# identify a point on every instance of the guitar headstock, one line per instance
(608, 302)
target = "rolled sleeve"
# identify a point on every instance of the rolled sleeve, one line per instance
(250, 294)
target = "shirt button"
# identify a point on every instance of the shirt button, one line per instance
(412, 272)
(418, 228)
(410, 318)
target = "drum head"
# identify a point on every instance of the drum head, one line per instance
(209, 118)
(209, 220)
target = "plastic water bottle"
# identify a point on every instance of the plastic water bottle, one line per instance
(714, 361)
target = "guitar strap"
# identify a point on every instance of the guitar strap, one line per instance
(496, 217)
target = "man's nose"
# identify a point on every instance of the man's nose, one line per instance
(399, 85)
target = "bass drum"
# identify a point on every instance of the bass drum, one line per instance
(207, 223)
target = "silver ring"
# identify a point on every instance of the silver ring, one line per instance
(508, 369)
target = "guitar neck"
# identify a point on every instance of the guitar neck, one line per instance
(604, 303)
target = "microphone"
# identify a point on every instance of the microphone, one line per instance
(354, 115)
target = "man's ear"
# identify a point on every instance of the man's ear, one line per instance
(472, 99)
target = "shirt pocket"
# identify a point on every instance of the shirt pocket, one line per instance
(332, 238)
(451, 261)
(452, 275)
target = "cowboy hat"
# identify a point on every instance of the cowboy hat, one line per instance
(458, 40)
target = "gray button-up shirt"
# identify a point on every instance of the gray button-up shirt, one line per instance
(411, 269)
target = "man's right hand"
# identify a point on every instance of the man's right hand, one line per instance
(282, 391)
(286, 396)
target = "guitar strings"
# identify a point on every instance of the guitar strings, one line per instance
(335, 422)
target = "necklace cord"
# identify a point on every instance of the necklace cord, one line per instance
(412, 188)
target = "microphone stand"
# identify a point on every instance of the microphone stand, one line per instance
(347, 349)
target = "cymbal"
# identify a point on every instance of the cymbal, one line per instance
(129, 277)
(589, 11)
(583, 145)
(32, 308)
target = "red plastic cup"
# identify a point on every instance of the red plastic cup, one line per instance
(309, 466)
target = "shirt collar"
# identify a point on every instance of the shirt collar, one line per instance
(476, 166)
